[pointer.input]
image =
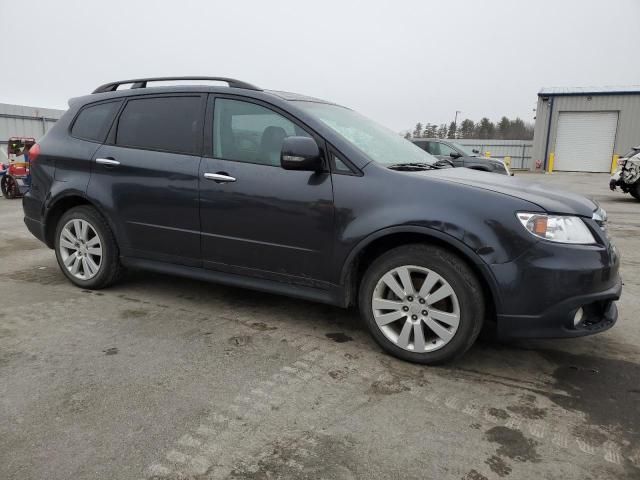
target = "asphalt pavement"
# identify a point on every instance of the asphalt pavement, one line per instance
(167, 378)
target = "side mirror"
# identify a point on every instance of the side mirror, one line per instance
(475, 150)
(301, 153)
(455, 155)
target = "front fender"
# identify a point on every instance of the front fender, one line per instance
(429, 233)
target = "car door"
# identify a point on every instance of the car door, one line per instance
(146, 177)
(445, 151)
(257, 218)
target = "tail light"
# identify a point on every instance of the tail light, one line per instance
(34, 153)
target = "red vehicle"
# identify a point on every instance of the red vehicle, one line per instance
(15, 177)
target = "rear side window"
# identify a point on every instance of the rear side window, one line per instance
(94, 121)
(161, 123)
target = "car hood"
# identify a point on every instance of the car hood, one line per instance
(548, 198)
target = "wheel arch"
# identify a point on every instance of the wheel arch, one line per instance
(59, 206)
(371, 247)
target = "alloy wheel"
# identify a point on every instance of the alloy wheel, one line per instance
(416, 308)
(80, 249)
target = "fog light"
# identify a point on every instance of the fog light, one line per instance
(577, 318)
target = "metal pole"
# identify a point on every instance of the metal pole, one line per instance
(455, 124)
(546, 146)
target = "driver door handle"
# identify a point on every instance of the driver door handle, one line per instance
(220, 177)
(107, 161)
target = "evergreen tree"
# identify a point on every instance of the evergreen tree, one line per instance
(466, 129)
(485, 129)
(442, 131)
(518, 130)
(452, 130)
(430, 131)
(417, 133)
(504, 128)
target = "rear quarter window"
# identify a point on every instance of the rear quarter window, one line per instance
(93, 121)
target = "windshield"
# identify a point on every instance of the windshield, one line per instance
(379, 143)
(464, 149)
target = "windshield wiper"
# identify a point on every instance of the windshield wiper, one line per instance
(412, 167)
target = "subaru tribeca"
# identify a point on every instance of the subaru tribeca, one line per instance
(293, 195)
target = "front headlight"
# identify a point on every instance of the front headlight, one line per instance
(556, 228)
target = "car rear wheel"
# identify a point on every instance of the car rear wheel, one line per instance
(422, 303)
(86, 249)
(635, 191)
(9, 187)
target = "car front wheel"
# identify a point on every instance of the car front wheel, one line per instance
(422, 303)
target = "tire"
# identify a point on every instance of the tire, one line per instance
(635, 191)
(431, 269)
(81, 255)
(9, 188)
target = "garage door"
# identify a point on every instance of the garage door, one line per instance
(585, 141)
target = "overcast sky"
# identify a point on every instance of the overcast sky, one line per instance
(396, 61)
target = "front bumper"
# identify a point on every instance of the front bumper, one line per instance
(615, 180)
(542, 290)
(599, 314)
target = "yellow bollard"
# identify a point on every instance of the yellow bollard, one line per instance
(614, 163)
(552, 158)
(487, 154)
(507, 161)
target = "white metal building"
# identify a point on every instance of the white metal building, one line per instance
(23, 121)
(583, 128)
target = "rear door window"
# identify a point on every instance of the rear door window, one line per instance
(171, 124)
(94, 121)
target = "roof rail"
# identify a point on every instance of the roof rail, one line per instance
(142, 83)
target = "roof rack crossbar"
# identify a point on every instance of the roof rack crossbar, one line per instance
(142, 83)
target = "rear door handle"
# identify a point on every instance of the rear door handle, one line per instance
(220, 177)
(107, 161)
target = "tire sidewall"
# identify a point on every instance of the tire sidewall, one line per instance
(86, 214)
(460, 278)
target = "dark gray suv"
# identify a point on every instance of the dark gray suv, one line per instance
(293, 195)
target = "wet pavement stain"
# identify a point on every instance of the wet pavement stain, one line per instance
(498, 466)
(387, 387)
(301, 458)
(474, 475)
(528, 412)
(339, 337)
(133, 313)
(599, 388)
(513, 444)
(261, 326)
(590, 435)
(110, 351)
(338, 374)
(240, 340)
(498, 413)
